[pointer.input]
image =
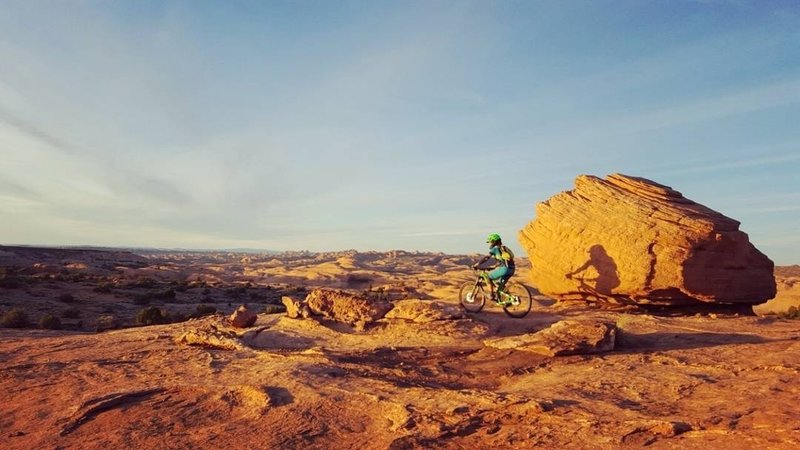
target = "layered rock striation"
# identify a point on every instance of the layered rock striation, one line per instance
(630, 239)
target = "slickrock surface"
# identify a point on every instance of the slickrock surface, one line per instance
(689, 383)
(714, 381)
(629, 239)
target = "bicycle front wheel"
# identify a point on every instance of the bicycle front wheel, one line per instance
(472, 297)
(519, 302)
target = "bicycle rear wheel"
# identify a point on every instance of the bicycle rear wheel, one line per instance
(521, 303)
(472, 297)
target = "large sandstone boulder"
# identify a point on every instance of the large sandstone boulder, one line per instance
(345, 307)
(631, 239)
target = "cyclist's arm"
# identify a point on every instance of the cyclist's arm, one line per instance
(483, 260)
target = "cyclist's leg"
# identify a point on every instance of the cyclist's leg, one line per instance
(502, 283)
(498, 275)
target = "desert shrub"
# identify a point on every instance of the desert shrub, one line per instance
(50, 322)
(146, 298)
(178, 317)
(204, 310)
(147, 283)
(66, 298)
(11, 282)
(151, 316)
(355, 278)
(791, 313)
(376, 294)
(206, 291)
(196, 284)
(106, 322)
(15, 318)
(182, 287)
(259, 297)
(77, 277)
(236, 292)
(104, 288)
(274, 309)
(71, 313)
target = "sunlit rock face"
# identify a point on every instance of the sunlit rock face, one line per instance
(629, 239)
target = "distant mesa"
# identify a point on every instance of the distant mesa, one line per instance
(629, 239)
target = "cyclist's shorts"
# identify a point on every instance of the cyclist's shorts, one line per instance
(501, 272)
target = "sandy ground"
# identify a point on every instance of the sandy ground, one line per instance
(705, 381)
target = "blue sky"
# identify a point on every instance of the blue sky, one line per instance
(379, 125)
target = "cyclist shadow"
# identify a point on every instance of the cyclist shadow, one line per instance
(607, 276)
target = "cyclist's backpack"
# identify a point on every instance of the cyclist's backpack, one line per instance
(507, 255)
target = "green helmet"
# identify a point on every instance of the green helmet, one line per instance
(494, 237)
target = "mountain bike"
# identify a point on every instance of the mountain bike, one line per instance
(513, 297)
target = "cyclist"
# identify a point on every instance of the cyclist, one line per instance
(499, 275)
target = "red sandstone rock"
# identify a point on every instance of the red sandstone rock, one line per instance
(295, 309)
(567, 337)
(243, 317)
(631, 239)
(345, 307)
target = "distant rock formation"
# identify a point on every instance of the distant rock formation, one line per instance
(630, 239)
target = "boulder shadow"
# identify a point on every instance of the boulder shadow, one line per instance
(276, 340)
(638, 343)
(279, 396)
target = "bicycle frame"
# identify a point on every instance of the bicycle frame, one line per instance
(473, 296)
(495, 292)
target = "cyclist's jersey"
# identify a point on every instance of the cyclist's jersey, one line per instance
(502, 254)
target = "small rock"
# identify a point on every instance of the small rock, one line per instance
(210, 337)
(712, 316)
(295, 308)
(243, 317)
(462, 409)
